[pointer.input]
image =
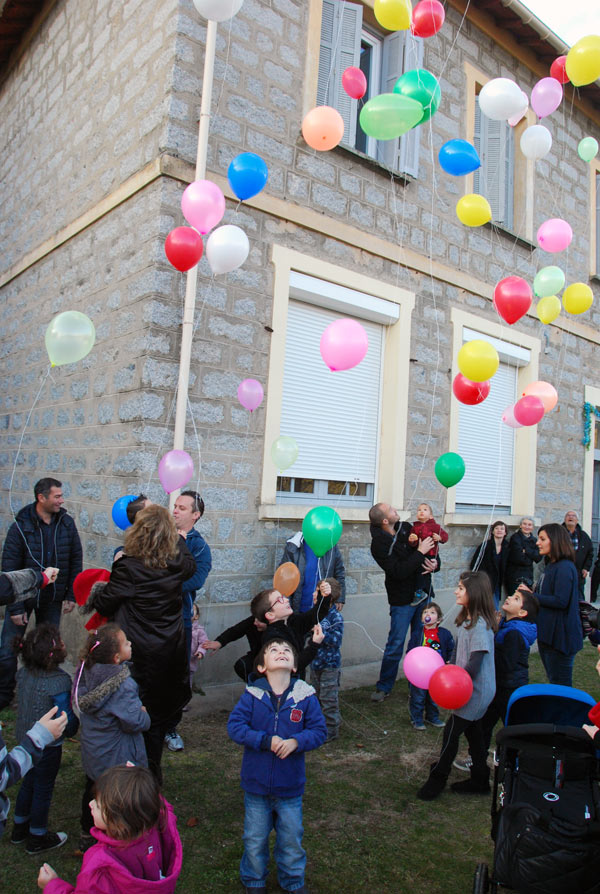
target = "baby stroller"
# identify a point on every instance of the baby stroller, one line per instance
(546, 798)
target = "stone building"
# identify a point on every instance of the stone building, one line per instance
(100, 105)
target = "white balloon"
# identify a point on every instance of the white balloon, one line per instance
(218, 10)
(514, 119)
(536, 141)
(226, 249)
(500, 99)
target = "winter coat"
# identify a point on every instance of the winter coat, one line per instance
(253, 722)
(329, 565)
(402, 565)
(486, 561)
(133, 867)
(512, 643)
(558, 621)
(330, 650)
(20, 586)
(446, 644)
(147, 604)
(112, 720)
(16, 763)
(522, 553)
(584, 552)
(24, 548)
(38, 691)
(200, 550)
(199, 637)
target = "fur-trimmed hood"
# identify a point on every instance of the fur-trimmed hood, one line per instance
(98, 683)
(19, 585)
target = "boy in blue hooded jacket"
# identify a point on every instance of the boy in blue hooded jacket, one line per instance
(277, 719)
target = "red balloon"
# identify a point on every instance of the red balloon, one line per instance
(468, 392)
(427, 18)
(450, 687)
(183, 248)
(528, 410)
(354, 82)
(558, 70)
(512, 298)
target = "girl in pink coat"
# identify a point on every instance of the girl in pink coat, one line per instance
(138, 849)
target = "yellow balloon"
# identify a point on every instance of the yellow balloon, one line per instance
(583, 61)
(577, 298)
(395, 15)
(473, 210)
(478, 360)
(548, 308)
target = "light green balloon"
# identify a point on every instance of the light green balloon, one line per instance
(389, 115)
(69, 337)
(422, 86)
(588, 148)
(284, 452)
(548, 281)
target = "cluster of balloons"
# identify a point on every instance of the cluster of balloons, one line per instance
(69, 337)
(415, 97)
(538, 399)
(449, 686)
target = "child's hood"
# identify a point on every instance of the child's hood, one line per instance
(97, 684)
(527, 629)
(258, 686)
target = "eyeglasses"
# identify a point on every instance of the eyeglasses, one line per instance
(280, 598)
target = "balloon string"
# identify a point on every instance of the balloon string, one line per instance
(48, 373)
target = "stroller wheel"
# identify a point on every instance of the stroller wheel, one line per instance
(480, 879)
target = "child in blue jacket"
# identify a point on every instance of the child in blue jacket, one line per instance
(325, 668)
(277, 719)
(434, 637)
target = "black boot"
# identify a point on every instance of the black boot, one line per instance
(477, 784)
(434, 786)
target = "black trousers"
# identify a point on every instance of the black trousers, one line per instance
(473, 730)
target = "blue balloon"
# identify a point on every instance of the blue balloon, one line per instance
(458, 157)
(119, 511)
(247, 175)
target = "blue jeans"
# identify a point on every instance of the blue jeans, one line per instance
(421, 706)
(401, 617)
(558, 666)
(35, 794)
(264, 813)
(48, 613)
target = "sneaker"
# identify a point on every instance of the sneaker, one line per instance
(20, 831)
(439, 724)
(174, 741)
(38, 843)
(379, 695)
(420, 726)
(419, 597)
(464, 765)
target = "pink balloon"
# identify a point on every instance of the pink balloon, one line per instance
(354, 82)
(175, 469)
(508, 418)
(546, 97)
(203, 205)
(554, 234)
(420, 664)
(250, 394)
(529, 409)
(343, 344)
(546, 392)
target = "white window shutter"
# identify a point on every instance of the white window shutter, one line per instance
(341, 25)
(401, 52)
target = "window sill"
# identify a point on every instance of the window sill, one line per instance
(504, 231)
(372, 163)
(482, 519)
(291, 511)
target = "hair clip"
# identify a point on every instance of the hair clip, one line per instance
(97, 643)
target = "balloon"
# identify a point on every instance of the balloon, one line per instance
(69, 337)
(478, 360)
(427, 18)
(583, 61)
(546, 97)
(218, 10)
(420, 664)
(389, 115)
(323, 128)
(536, 140)
(284, 452)
(226, 249)
(458, 157)
(395, 15)
(514, 119)
(247, 174)
(468, 392)
(343, 344)
(449, 469)
(587, 148)
(500, 98)
(175, 469)
(420, 85)
(451, 687)
(473, 210)
(250, 394)
(512, 298)
(554, 235)
(354, 82)
(203, 205)
(548, 308)
(508, 417)
(577, 298)
(119, 511)
(528, 410)
(286, 578)
(545, 392)
(183, 248)
(322, 528)
(557, 70)
(548, 281)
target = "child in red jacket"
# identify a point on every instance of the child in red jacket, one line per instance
(426, 526)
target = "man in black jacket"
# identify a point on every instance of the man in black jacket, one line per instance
(43, 534)
(583, 546)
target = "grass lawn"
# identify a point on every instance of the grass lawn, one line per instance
(365, 830)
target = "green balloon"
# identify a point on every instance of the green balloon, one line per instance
(449, 469)
(548, 281)
(420, 85)
(69, 337)
(588, 148)
(322, 528)
(284, 452)
(389, 115)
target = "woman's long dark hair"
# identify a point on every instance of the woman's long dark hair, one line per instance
(561, 545)
(481, 601)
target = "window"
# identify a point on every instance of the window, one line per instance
(596, 221)
(494, 141)
(345, 41)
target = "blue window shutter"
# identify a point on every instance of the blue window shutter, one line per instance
(341, 25)
(401, 52)
(494, 179)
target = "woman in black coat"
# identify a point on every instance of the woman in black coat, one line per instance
(491, 556)
(522, 553)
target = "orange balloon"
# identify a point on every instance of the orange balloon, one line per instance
(545, 391)
(323, 128)
(286, 578)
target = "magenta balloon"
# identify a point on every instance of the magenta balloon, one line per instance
(175, 469)
(343, 344)
(554, 235)
(528, 410)
(420, 664)
(203, 205)
(508, 418)
(354, 82)
(546, 97)
(250, 394)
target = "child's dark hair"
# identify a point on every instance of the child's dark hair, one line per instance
(260, 658)
(481, 601)
(434, 605)
(42, 648)
(135, 506)
(130, 803)
(101, 645)
(531, 603)
(336, 589)
(261, 604)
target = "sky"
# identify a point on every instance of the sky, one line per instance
(570, 19)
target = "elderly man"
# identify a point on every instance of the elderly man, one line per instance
(582, 544)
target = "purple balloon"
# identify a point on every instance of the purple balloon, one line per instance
(508, 418)
(250, 394)
(546, 97)
(175, 469)
(420, 664)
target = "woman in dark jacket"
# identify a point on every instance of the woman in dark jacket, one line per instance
(144, 597)
(522, 553)
(491, 556)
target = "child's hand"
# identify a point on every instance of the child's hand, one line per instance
(318, 635)
(590, 730)
(412, 538)
(286, 747)
(315, 597)
(51, 573)
(200, 654)
(54, 725)
(275, 743)
(325, 589)
(46, 874)
(144, 709)
(436, 537)
(212, 646)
